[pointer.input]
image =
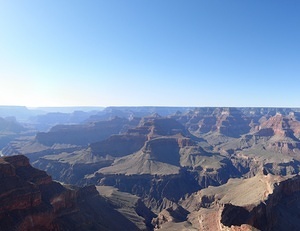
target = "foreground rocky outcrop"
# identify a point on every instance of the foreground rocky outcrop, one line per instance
(30, 200)
(264, 202)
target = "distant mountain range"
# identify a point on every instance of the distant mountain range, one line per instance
(23, 113)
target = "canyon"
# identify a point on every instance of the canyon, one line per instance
(155, 168)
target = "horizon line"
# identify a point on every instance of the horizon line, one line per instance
(137, 106)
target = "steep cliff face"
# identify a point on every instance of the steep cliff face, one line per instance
(119, 145)
(16, 193)
(263, 202)
(227, 121)
(279, 211)
(30, 200)
(23, 206)
(282, 132)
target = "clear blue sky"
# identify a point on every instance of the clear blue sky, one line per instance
(150, 52)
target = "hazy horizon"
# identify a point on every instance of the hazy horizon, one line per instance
(149, 53)
(134, 106)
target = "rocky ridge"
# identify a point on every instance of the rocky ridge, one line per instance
(30, 200)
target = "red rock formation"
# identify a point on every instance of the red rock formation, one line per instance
(264, 202)
(30, 200)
